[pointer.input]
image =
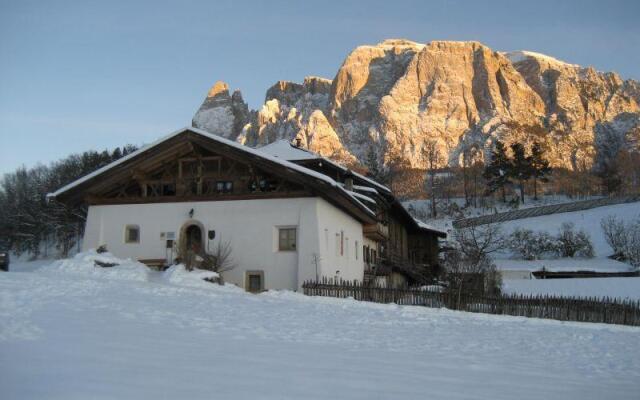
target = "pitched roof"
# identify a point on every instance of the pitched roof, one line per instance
(226, 142)
(287, 151)
(280, 153)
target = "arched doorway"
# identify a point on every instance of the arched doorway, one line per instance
(191, 243)
(193, 236)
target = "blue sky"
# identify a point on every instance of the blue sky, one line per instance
(98, 74)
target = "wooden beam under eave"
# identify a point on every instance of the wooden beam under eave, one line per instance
(341, 200)
(124, 172)
(96, 200)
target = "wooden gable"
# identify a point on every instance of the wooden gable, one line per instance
(191, 172)
(194, 166)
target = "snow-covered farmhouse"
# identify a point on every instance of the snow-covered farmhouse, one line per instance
(288, 215)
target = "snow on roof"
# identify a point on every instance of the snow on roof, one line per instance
(225, 141)
(424, 225)
(362, 197)
(285, 150)
(364, 178)
(365, 189)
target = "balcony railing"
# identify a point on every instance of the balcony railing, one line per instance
(377, 231)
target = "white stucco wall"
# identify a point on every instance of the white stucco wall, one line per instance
(331, 223)
(251, 228)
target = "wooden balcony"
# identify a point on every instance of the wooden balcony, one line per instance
(377, 231)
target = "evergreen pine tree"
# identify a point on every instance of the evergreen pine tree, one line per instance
(117, 153)
(496, 172)
(28, 220)
(373, 170)
(520, 169)
(539, 167)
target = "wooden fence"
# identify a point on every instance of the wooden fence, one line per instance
(542, 210)
(602, 310)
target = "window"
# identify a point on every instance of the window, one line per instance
(346, 247)
(356, 249)
(341, 243)
(263, 185)
(132, 234)
(224, 186)
(287, 239)
(254, 281)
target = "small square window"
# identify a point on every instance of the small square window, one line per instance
(254, 281)
(286, 239)
(132, 234)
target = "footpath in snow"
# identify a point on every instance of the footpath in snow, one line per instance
(71, 331)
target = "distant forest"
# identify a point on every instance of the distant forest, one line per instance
(31, 224)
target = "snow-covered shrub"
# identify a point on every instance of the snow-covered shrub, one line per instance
(572, 243)
(521, 243)
(530, 245)
(181, 276)
(616, 233)
(632, 250)
(624, 239)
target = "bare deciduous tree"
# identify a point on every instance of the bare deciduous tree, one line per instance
(463, 275)
(468, 267)
(220, 260)
(479, 241)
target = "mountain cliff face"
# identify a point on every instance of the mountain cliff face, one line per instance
(399, 97)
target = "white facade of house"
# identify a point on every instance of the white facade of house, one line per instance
(328, 240)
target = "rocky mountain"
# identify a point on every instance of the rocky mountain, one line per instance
(399, 98)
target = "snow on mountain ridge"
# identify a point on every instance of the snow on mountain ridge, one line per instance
(397, 96)
(522, 55)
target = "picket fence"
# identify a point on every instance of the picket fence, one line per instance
(600, 310)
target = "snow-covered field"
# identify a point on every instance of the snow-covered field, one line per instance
(588, 220)
(73, 333)
(563, 264)
(622, 288)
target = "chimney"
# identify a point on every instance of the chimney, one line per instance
(348, 181)
(298, 142)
